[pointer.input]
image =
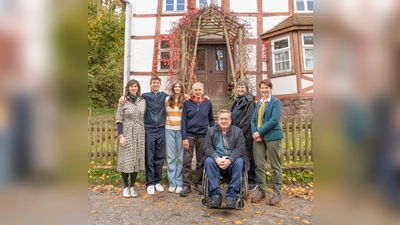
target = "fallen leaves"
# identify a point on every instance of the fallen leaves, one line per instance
(300, 192)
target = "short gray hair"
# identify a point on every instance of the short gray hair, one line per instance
(198, 84)
(243, 83)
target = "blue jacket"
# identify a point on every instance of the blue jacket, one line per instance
(155, 109)
(196, 119)
(271, 124)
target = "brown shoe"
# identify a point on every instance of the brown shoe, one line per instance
(276, 198)
(259, 196)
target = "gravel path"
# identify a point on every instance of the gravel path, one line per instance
(107, 206)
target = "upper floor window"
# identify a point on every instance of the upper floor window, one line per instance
(174, 5)
(204, 3)
(163, 65)
(281, 59)
(307, 42)
(304, 5)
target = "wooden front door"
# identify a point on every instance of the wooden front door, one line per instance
(212, 70)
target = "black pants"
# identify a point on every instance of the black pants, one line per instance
(194, 144)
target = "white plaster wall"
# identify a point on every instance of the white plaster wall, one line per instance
(166, 23)
(306, 83)
(142, 55)
(244, 6)
(264, 66)
(252, 61)
(252, 84)
(275, 6)
(143, 26)
(270, 22)
(144, 6)
(284, 85)
(252, 21)
(145, 83)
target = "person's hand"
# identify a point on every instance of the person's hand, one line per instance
(122, 141)
(185, 144)
(219, 161)
(225, 164)
(256, 135)
(122, 100)
(259, 139)
(206, 96)
(187, 97)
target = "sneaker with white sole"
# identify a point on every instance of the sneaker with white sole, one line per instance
(126, 193)
(171, 189)
(178, 190)
(134, 193)
(159, 188)
(150, 190)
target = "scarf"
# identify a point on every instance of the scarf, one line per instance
(132, 97)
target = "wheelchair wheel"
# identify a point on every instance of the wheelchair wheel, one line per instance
(245, 186)
(203, 201)
(240, 203)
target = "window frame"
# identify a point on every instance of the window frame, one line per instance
(306, 10)
(175, 7)
(162, 50)
(303, 51)
(208, 3)
(278, 51)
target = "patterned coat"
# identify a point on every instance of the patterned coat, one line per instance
(131, 115)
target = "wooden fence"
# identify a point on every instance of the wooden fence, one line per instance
(103, 139)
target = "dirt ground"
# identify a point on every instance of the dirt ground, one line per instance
(107, 206)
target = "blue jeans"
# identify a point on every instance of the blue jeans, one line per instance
(173, 140)
(214, 174)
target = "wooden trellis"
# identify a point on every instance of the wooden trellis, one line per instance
(209, 21)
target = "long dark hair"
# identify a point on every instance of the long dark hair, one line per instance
(172, 96)
(133, 81)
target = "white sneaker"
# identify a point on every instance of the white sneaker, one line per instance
(126, 193)
(171, 189)
(178, 190)
(150, 190)
(159, 188)
(134, 192)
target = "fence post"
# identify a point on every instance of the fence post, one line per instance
(294, 139)
(301, 138)
(90, 134)
(287, 138)
(306, 138)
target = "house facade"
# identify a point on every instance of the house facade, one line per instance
(279, 45)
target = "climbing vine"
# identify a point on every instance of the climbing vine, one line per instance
(181, 57)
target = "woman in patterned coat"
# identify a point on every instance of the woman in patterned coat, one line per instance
(130, 122)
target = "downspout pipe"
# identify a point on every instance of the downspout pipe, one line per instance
(127, 49)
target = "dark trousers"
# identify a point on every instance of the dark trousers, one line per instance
(194, 143)
(154, 154)
(252, 171)
(214, 174)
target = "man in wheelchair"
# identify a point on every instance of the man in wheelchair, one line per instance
(225, 149)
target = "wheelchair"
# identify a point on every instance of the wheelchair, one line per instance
(225, 179)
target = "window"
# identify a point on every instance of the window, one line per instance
(204, 3)
(304, 5)
(219, 60)
(163, 56)
(281, 55)
(175, 6)
(307, 42)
